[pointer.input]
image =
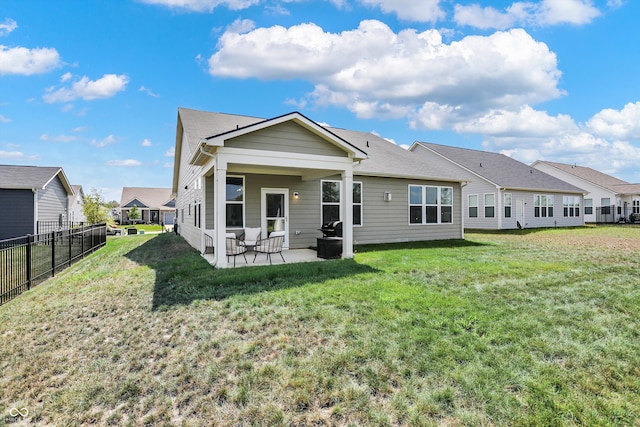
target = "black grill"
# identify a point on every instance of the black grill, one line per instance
(332, 229)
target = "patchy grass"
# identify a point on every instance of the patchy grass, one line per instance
(522, 328)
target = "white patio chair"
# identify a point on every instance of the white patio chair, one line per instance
(234, 248)
(272, 245)
(251, 236)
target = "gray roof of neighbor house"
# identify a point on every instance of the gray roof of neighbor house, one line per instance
(152, 198)
(31, 177)
(384, 158)
(627, 189)
(591, 175)
(502, 170)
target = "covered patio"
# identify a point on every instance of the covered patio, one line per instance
(291, 256)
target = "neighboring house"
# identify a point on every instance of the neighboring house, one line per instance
(504, 193)
(608, 199)
(76, 203)
(290, 173)
(155, 205)
(32, 196)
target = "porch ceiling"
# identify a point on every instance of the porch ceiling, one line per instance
(304, 174)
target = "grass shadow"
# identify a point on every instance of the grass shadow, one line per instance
(183, 276)
(427, 244)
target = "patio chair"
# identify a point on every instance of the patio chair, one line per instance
(234, 248)
(251, 236)
(271, 245)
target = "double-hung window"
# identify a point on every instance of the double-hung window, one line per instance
(571, 206)
(489, 205)
(430, 204)
(357, 203)
(235, 201)
(588, 206)
(473, 206)
(543, 206)
(331, 198)
(507, 205)
(636, 206)
(605, 204)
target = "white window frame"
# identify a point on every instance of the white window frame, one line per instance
(570, 206)
(508, 203)
(338, 203)
(472, 206)
(361, 203)
(588, 204)
(423, 204)
(492, 205)
(545, 208)
(232, 202)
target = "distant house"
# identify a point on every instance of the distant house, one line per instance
(155, 205)
(503, 193)
(608, 199)
(33, 198)
(292, 174)
(76, 211)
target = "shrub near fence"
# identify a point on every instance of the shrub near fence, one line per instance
(29, 260)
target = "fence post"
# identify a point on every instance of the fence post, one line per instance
(70, 241)
(53, 254)
(29, 241)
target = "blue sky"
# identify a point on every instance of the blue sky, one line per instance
(94, 86)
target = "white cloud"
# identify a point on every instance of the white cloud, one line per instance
(375, 72)
(619, 124)
(66, 76)
(15, 155)
(528, 13)
(4, 119)
(168, 165)
(146, 142)
(7, 26)
(104, 142)
(203, 5)
(24, 61)
(105, 87)
(410, 10)
(57, 138)
(171, 152)
(148, 92)
(128, 162)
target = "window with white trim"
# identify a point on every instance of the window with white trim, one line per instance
(543, 206)
(636, 206)
(571, 206)
(605, 204)
(357, 203)
(489, 205)
(588, 206)
(430, 204)
(473, 206)
(235, 201)
(330, 201)
(507, 205)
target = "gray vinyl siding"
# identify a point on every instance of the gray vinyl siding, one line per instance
(388, 222)
(558, 219)
(53, 201)
(286, 137)
(481, 187)
(186, 198)
(16, 213)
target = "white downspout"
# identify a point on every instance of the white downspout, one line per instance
(462, 212)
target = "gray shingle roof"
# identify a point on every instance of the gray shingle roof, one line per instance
(588, 174)
(502, 170)
(153, 198)
(384, 157)
(28, 177)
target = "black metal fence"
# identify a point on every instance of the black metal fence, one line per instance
(29, 260)
(49, 226)
(616, 214)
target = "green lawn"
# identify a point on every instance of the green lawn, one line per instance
(523, 328)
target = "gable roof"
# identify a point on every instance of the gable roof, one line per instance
(31, 177)
(78, 193)
(500, 170)
(152, 198)
(590, 175)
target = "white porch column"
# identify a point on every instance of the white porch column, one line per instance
(220, 201)
(347, 214)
